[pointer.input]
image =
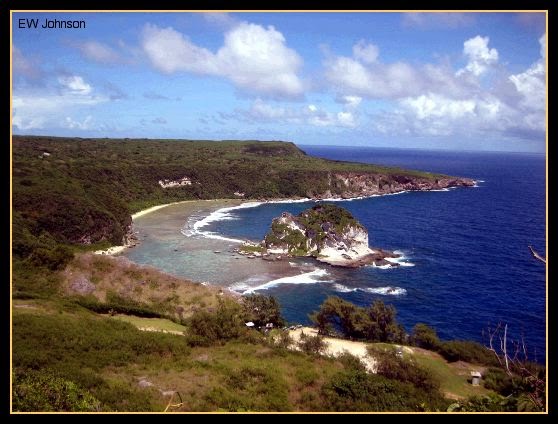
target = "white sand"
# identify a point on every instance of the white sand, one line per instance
(335, 347)
(114, 250)
(155, 208)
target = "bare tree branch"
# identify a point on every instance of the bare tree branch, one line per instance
(536, 255)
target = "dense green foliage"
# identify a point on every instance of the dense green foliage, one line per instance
(83, 190)
(226, 323)
(376, 323)
(338, 218)
(43, 391)
(74, 347)
(467, 350)
(69, 359)
(390, 364)
(355, 390)
(313, 345)
(452, 350)
(262, 310)
(425, 337)
(316, 223)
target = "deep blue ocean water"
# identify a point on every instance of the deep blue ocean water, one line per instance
(472, 269)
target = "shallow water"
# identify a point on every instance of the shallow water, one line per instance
(472, 267)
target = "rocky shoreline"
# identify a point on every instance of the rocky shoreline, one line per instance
(350, 185)
(326, 232)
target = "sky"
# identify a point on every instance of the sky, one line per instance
(453, 81)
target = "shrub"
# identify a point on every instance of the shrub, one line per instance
(391, 366)
(487, 403)
(354, 390)
(313, 345)
(281, 339)
(496, 379)
(384, 326)
(468, 351)
(351, 362)
(425, 337)
(42, 391)
(53, 259)
(336, 313)
(225, 323)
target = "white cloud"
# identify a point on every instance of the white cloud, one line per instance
(346, 119)
(37, 109)
(395, 80)
(436, 106)
(367, 53)
(480, 57)
(438, 115)
(86, 124)
(98, 52)
(254, 58)
(531, 84)
(435, 100)
(350, 102)
(169, 51)
(311, 114)
(426, 20)
(75, 84)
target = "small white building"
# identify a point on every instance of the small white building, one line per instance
(475, 378)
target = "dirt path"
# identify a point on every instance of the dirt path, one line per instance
(336, 347)
(159, 330)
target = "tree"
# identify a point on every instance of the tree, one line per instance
(425, 337)
(383, 325)
(262, 309)
(336, 313)
(376, 323)
(225, 323)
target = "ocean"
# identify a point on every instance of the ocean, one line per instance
(466, 264)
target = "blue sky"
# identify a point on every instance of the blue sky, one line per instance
(457, 81)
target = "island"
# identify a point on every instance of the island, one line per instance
(326, 232)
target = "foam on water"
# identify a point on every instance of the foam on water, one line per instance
(343, 289)
(386, 291)
(393, 291)
(316, 276)
(194, 224)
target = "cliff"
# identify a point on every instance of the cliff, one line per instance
(326, 232)
(345, 185)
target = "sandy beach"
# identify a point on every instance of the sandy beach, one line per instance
(191, 206)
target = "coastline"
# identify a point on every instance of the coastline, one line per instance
(115, 250)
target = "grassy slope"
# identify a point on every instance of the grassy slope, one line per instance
(154, 324)
(454, 377)
(108, 358)
(118, 279)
